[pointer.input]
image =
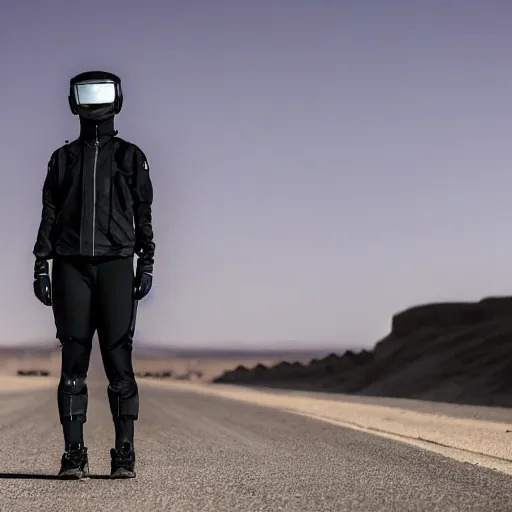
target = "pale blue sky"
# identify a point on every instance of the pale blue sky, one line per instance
(318, 165)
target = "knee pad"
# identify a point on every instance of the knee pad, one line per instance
(72, 384)
(72, 398)
(123, 397)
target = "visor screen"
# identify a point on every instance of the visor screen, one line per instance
(95, 94)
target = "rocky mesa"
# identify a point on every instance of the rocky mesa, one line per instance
(447, 352)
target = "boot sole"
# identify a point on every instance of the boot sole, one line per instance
(122, 473)
(74, 474)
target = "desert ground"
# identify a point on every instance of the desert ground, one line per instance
(218, 448)
(421, 422)
(148, 362)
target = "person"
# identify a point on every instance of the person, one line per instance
(96, 217)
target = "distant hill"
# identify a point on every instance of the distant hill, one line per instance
(451, 352)
(151, 351)
(157, 351)
(28, 350)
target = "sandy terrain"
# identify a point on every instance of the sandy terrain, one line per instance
(14, 361)
(10, 383)
(458, 432)
(9, 365)
(181, 366)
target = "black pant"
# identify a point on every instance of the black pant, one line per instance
(92, 294)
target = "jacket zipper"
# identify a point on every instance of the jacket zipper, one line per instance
(96, 150)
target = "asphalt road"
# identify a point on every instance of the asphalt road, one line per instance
(200, 453)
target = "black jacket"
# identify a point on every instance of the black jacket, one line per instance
(97, 199)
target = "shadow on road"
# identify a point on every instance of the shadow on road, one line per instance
(35, 476)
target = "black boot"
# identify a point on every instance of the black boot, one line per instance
(123, 462)
(74, 462)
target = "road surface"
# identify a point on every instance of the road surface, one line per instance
(199, 453)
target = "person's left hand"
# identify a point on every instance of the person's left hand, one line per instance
(143, 284)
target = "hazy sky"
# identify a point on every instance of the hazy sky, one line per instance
(318, 165)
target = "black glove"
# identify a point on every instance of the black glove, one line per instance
(143, 283)
(42, 283)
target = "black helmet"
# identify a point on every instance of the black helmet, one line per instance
(95, 95)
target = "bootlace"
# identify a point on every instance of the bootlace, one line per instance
(124, 456)
(74, 451)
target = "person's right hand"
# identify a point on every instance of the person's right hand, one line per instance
(42, 283)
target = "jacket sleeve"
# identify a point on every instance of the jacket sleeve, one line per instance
(142, 195)
(43, 248)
